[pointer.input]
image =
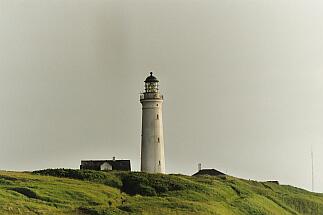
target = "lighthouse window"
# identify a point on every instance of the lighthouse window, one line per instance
(159, 163)
(157, 116)
(158, 140)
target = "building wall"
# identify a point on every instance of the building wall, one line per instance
(105, 166)
(152, 141)
(121, 165)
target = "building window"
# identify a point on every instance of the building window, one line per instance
(157, 116)
(159, 163)
(158, 140)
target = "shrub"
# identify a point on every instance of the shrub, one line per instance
(126, 208)
(5, 182)
(87, 175)
(153, 184)
(136, 184)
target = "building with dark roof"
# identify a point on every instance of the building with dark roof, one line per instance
(121, 165)
(209, 172)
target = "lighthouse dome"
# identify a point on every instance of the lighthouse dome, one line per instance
(151, 79)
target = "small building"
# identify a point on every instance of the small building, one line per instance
(209, 172)
(121, 165)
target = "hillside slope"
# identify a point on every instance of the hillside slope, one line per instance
(63, 191)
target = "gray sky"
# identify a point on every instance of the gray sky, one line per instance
(243, 82)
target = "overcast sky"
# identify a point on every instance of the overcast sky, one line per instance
(242, 80)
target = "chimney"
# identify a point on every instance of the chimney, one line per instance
(199, 166)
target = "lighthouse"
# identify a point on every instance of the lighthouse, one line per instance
(152, 138)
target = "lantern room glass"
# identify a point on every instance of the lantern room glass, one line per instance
(151, 87)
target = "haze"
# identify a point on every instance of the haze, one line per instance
(242, 82)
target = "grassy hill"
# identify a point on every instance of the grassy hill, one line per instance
(65, 191)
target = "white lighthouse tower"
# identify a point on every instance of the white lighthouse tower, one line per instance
(152, 138)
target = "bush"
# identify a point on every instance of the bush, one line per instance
(87, 175)
(5, 182)
(153, 184)
(126, 208)
(136, 184)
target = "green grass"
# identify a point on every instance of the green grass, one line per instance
(66, 191)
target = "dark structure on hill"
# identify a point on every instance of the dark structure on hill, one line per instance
(121, 165)
(209, 172)
(274, 182)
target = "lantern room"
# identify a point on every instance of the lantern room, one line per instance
(151, 84)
